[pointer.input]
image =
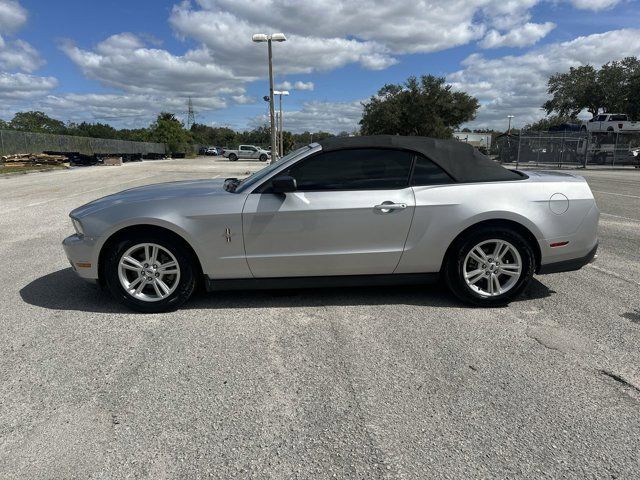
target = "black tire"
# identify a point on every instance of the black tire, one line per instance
(601, 158)
(263, 158)
(186, 284)
(453, 271)
(233, 157)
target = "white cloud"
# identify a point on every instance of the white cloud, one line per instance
(322, 36)
(124, 62)
(521, 36)
(243, 99)
(124, 110)
(15, 54)
(12, 16)
(20, 86)
(19, 55)
(517, 84)
(595, 5)
(299, 85)
(315, 116)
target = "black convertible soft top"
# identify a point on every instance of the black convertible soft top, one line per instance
(460, 160)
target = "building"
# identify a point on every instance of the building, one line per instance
(476, 139)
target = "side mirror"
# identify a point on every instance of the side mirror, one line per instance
(284, 184)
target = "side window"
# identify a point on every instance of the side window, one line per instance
(601, 118)
(425, 172)
(353, 169)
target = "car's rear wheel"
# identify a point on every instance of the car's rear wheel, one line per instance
(150, 274)
(490, 266)
(233, 157)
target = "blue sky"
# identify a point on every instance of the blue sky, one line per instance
(122, 62)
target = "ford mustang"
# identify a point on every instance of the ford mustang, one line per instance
(346, 211)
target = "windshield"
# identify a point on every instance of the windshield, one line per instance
(260, 174)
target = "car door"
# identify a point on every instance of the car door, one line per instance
(350, 215)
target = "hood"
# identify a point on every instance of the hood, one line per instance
(156, 193)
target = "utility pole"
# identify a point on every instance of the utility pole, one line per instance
(274, 153)
(281, 144)
(280, 93)
(509, 130)
(277, 37)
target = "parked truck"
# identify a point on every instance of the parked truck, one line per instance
(247, 152)
(611, 122)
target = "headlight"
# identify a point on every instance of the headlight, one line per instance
(78, 226)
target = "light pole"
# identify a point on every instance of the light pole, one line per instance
(275, 37)
(509, 130)
(280, 93)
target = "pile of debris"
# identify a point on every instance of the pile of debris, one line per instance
(23, 159)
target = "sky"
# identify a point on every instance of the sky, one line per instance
(122, 62)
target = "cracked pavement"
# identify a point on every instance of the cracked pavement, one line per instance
(393, 382)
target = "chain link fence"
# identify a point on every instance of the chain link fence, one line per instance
(569, 149)
(12, 141)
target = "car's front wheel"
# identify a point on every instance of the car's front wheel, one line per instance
(263, 158)
(490, 266)
(150, 274)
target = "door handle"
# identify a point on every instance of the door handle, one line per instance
(387, 207)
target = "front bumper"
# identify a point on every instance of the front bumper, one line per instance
(569, 265)
(81, 252)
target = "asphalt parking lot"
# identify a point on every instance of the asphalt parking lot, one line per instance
(399, 382)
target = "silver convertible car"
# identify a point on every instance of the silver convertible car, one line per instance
(345, 211)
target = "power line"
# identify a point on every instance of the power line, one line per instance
(191, 114)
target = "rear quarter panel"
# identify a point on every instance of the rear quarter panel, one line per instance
(443, 212)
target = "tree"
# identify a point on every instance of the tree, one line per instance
(206, 135)
(544, 124)
(287, 142)
(426, 107)
(169, 130)
(37, 122)
(614, 88)
(258, 136)
(95, 130)
(135, 135)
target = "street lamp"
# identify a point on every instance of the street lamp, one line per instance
(509, 130)
(274, 37)
(281, 93)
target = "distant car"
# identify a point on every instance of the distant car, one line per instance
(348, 211)
(247, 152)
(611, 122)
(211, 151)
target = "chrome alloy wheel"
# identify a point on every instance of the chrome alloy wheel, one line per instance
(148, 272)
(492, 267)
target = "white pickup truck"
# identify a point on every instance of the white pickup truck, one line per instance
(611, 122)
(247, 151)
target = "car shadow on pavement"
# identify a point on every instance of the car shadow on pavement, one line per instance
(63, 290)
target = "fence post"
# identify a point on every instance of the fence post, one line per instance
(1, 143)
(518, 156)
(615, 150)
(587, 145)
(26, 147)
